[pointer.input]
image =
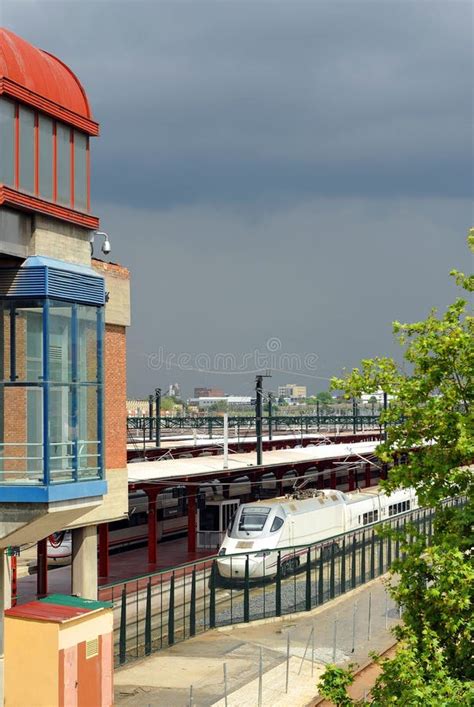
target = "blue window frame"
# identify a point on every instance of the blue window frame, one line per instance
(51, 391)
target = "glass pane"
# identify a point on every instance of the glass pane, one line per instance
(27, 149)
(21, 425)
(34, 425)
(63, 137)
(80, 171)
(60, 343)
(61, 434)
(45, 157)
(88, 440)
(7, 138)
(29, 344)
(87, 344)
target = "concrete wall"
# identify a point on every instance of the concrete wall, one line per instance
(117, 287)
(57, 239)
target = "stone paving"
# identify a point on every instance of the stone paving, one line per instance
(167, 678)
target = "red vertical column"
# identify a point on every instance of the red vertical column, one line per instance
(192, 520)
(14, 579)
(42, 568)
(333, 479)
(104, 560)
(152, 528)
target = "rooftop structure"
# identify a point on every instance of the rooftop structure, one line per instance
(45, 125)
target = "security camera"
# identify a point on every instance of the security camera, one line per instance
(106, 247)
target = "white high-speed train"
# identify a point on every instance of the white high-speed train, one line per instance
(288, 524)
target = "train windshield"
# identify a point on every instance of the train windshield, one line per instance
(253, 518)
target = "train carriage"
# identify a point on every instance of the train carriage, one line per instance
(262, 530)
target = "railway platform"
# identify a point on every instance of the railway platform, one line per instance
(122, 566)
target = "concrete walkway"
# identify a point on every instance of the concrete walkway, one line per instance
(357, 620)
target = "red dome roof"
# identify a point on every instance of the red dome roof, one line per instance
(44, 75)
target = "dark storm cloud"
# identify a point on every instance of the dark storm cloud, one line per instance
(239, 101)
(290, 170)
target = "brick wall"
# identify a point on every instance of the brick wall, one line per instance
(115, 397)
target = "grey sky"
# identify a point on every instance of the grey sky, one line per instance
(290, 170)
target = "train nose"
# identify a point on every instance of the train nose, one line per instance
(235, 567)
(231, 567)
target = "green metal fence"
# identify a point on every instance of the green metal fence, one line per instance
(157, 610)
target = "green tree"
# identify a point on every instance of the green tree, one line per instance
(219, 406)
(167, 404)
(430, 422)
(325, 397)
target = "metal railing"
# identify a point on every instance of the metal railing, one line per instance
(23, 462)
(244, 422)
(156, 610)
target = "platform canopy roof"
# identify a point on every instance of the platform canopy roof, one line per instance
(176, 469)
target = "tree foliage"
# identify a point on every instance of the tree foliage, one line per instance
(430, 426)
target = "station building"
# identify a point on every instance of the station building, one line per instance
(63, 319)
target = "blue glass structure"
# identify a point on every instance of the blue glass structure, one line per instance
(51, 382)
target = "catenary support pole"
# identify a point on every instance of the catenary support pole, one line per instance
(150, 417)
(158, 417)
(226, 440)
(270, 415)
(258, 416)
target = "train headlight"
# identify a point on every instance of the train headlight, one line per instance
(222, 551)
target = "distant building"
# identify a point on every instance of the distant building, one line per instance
(174, 391)
(367, 398)
(291, 391)
(204, 403)
(208, 393)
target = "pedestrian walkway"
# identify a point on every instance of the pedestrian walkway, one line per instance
(268, 663)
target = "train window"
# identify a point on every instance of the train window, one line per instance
(370, 517)
(240, 487)
(138, 518)
(253, 518)
(289, 478)
(120, 524)
(276, 525)
(397, 508)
